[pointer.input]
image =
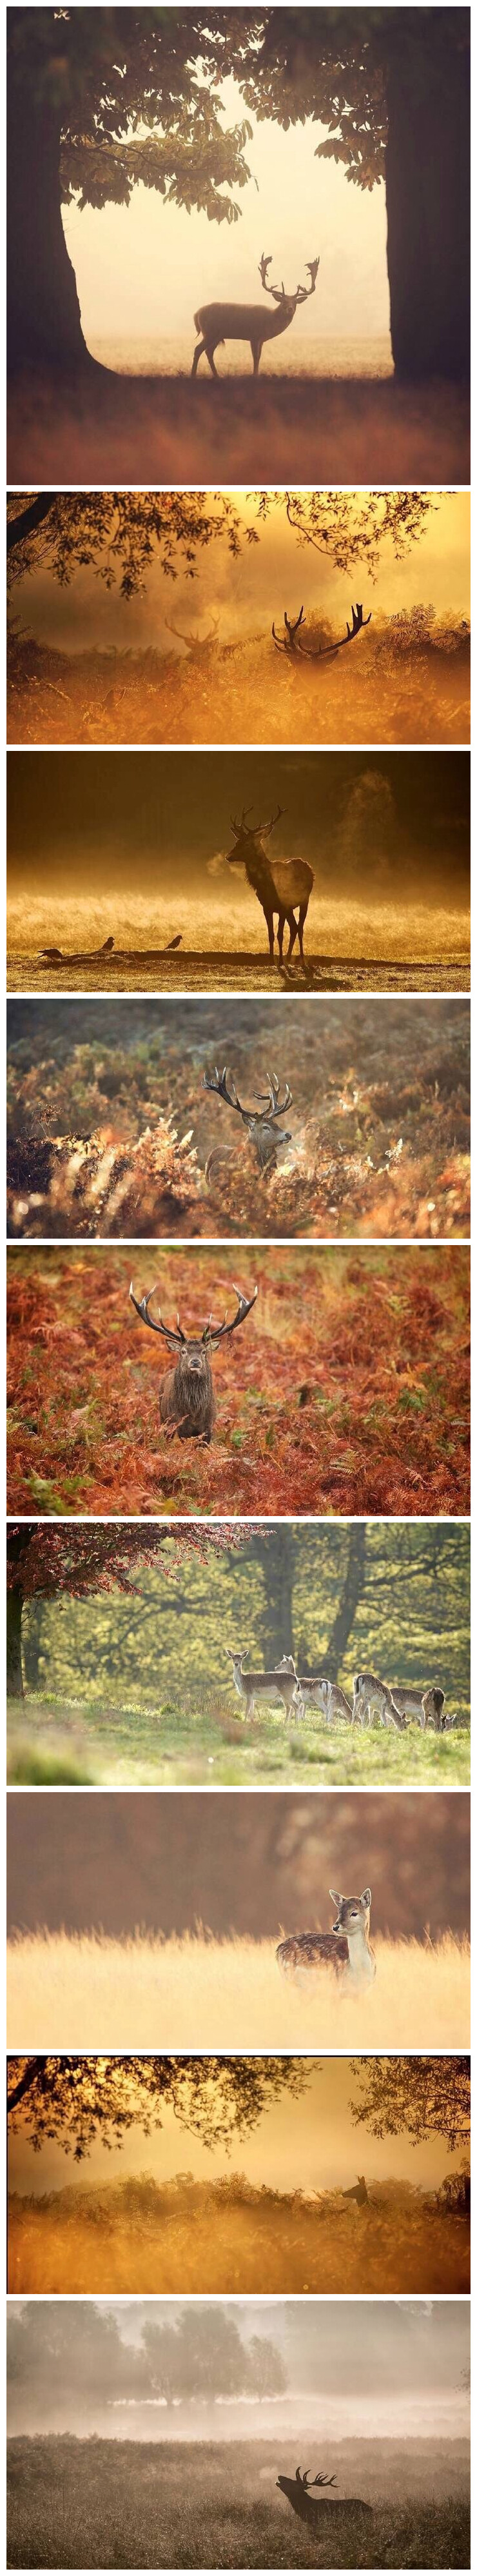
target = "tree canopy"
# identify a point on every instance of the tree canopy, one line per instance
(118, 535)
(44, 1559)
(421, 2096)
(75, 2100)
(115, 76)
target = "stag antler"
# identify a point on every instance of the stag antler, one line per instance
(142, 1308)
(218, 1082)
(275, 1107)
(214, 1333)
(303, 292)
(266, 828)
(192, 636)
(323, 651)
(286, 643)
(306, 2481)
(244, 829)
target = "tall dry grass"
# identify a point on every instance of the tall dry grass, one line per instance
(77, 1991)
(265, 2245)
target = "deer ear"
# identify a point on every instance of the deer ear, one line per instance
(365, 1899)
(337, 1900)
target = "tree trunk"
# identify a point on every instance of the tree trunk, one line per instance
(14, 1644)
(352, 1592)
(43, 312)
(428, 204)
(276, 1558)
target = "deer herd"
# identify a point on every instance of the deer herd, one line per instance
(389, 1704)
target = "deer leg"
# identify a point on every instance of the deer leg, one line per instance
(256, 348)
(199, 352)
(271, 933)
(293, 927)
(282, 918)
(302, 913)
(210, 355)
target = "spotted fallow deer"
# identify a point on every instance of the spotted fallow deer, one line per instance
(316, 1691)
(186, 1395)
(426, 1708)
(279, 1683)
(283, 886)
(375, 1699)
(217, 323)
(346, 1949)
(310, 2510)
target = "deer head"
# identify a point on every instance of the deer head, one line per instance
(247, 835)
(264, 1136)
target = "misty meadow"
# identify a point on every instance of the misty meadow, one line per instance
(160, 2446)
(388, 666)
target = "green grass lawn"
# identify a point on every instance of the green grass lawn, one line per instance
(170, 1743)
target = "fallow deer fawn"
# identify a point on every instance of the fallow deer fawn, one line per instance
(280, 1683)
(346, 1949)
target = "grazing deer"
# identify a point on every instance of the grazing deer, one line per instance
(297, 2492)
(412, 1704)
(346, 1949)
(284, 888)
(220, 322)
(372, 1698)
(291, 641)
(186, 1396)
(325, 1695)
(280, 1683)
(264, 1136)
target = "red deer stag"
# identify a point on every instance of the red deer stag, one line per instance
(264, 1136)
(310, 2511)
(186, 1398)
(284, 888)
(196, 644)
(220, 322)
(291, 641)
(346, 1950)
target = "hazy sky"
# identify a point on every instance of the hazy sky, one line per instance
(310, 2144)
(142, 270)
(248, 592)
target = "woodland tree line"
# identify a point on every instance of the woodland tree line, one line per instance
(394, 1594)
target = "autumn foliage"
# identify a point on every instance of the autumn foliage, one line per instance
(345, 1391)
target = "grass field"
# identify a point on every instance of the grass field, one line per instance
(89, 1991)
(134, 2236)
(151, 429)
(93, 2503)
(197, 1741)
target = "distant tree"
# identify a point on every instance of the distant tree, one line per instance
(77, 2101)
(279, 1553)
(418, 2097)
(268, 2376)
(59, 2346)
(45, 1560)
(200, 2358)
(120, 534)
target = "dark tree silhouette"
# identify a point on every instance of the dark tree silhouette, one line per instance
(76, 2100)
(418, 2096)
(393, 88)
(80, 82)
(120, 534)
(44, 1561)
